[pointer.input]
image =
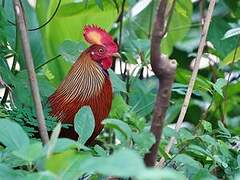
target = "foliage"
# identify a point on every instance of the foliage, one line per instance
(207, 146)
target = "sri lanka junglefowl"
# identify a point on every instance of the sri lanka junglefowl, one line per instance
(87, 83)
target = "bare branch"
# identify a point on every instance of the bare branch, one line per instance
(30, 68)
(165, 70)
(193, 77)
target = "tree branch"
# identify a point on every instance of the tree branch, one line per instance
(30, 68)
(165, 71)
(193, 77)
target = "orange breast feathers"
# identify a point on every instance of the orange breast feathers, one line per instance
(87, 84)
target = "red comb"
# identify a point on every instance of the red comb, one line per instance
(96, 35)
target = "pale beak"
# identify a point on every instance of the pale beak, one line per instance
(117, 55)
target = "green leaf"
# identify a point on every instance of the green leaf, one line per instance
(198, 150)
(207, 126)
(68, 23)
(12, 135)
(232, 32)
(160, 174)
(115, 165)
(203, 174)
(119, 125)
(117, 83)
(70, 50)
(84, 124)
(100, 4)
(43, 175)
(3, 25)
(63, 144)
(233, 56)
(187, 160)
(143, 141)
(218, 86)
(217, 29)
(6, 173)
(181, 17)
(119, 107)
(30, 153)
(68, 164)
(209, 140)
(170, 132)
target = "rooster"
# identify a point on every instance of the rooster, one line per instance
(87, 83)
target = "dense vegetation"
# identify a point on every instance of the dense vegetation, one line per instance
(208, 144)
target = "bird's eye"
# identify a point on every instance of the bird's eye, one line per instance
(101, 50)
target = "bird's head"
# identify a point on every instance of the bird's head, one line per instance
(102, 48)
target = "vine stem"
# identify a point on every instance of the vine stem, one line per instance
(21, 25)
(193, 77)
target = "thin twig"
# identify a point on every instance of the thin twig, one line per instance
(165, 70)
(193, 77)
(46, 62)
(44, 24)
(120, 34)
(21, 25)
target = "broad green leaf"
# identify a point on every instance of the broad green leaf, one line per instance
(203, 174)
(31, 152)
(217, 29)
(35, 37)
(179, 25)
(233, 56)
(203, 84)
(43, 175)
(160, 174)
(209, 140)
(142, 96)
(187, 161)
(170, 132)
(7, 173)
(218, 86)
(198, 150)
(68, 164)
(143, 141)
(119, 107)
(100, 4)
(70, 50)
(12, 135)
(117, 83)
(68, 24)
(84, 124)
(63, 144)
(115, 165)
(185, 134)
(3, 27)
(232, 32)
(119, 125)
